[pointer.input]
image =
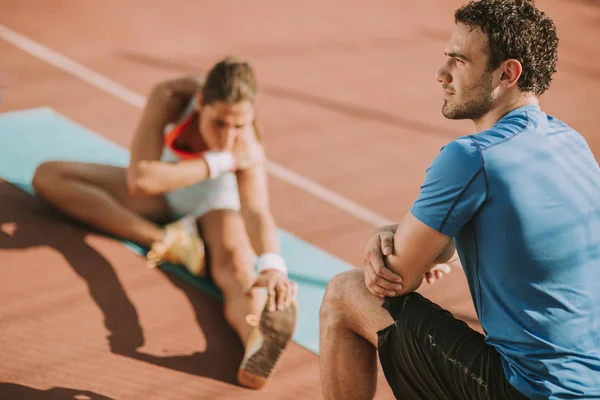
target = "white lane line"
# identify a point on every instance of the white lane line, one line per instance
(108, 85)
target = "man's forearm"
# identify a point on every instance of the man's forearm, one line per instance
(448, 255)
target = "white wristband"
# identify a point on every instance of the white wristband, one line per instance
(219, 162)
(271, 261)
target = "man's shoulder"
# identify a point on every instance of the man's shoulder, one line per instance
(464, 147)
(502, 132)
(461, 153)
(517, 122)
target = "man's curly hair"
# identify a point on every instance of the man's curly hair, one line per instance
(516, 29)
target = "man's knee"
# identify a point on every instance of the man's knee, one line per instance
(341, 292)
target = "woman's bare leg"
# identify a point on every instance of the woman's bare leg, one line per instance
(97, 195)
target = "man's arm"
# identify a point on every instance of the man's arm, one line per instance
(417, 247)
(448, 254)
(453, 191)
(386, 228)
(382, 275)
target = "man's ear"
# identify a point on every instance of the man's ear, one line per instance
(511, 72)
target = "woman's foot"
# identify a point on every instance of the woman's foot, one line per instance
(181, 244)
(265, 345)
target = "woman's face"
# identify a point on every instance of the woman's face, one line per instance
(222, 123)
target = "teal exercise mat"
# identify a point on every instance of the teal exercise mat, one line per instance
(30, 137)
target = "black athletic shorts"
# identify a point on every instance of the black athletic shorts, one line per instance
(429, 354)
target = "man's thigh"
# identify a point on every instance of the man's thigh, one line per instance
(429, 354)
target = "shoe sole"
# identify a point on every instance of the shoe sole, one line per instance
(276, 329)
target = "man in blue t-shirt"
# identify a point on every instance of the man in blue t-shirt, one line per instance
(520, 203)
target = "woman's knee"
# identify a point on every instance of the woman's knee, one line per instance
(48, 175)
(229, 250)
(230, 266)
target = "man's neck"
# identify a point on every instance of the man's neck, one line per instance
(503, 108)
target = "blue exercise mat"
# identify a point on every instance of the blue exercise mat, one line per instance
(30, 137)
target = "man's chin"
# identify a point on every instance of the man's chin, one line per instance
(450, 113)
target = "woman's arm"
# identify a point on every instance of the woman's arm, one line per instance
(147, 175)
(262, 231)
(255, 209)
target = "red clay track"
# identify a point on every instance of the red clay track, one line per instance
(348, 101)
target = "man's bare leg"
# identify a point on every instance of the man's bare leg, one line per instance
(350, 319)
(97, 195)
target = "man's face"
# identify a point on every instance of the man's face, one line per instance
(465, 76)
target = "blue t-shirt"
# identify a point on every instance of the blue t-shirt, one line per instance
(522, 202)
